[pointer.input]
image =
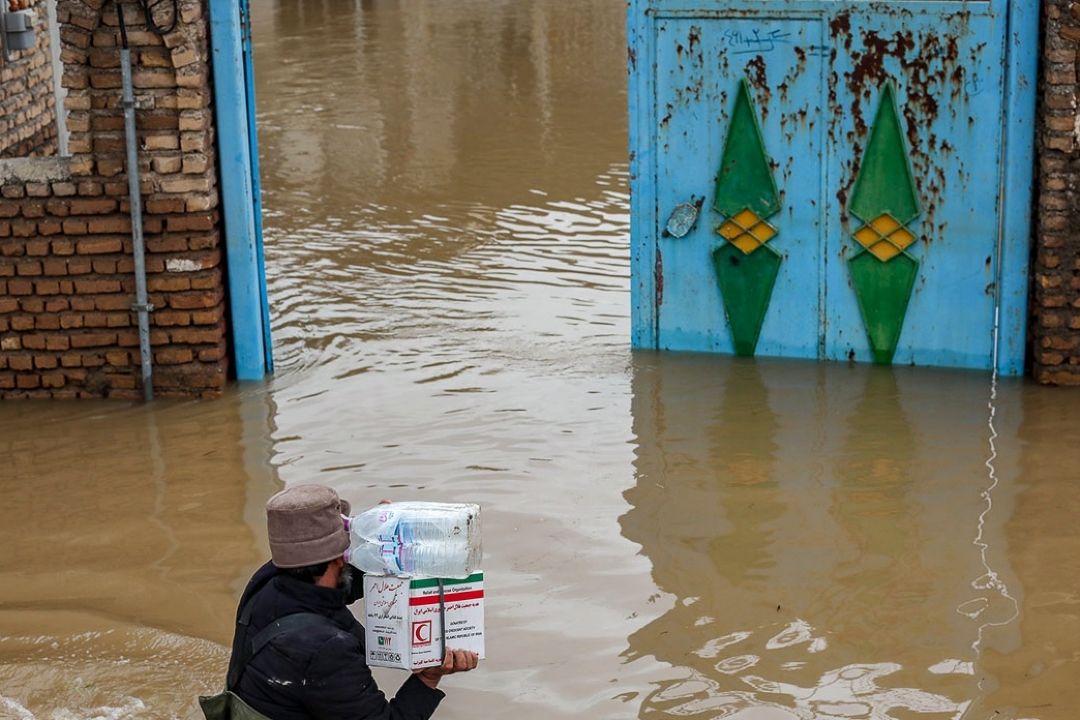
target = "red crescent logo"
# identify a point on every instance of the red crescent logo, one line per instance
(422, 632)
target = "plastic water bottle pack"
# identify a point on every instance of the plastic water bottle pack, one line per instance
(416, 539)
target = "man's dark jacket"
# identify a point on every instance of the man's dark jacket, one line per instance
(318, 671)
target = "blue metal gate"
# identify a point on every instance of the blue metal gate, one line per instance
(833, 179)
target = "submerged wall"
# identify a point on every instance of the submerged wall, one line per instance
(66, 268)
(27, 103)
(1055, 295)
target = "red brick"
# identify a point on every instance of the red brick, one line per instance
(37, 248)
(201, 221)
(120, 383)
(20, 287)
(87, 340)
(118, 358)
(113, 302)
(94, 286)
(70, 360)
(52, 380)
(109, 225)
(166, 283)
(213, 354)
(93, 246)
(197, 335)
(57, 342)
(206, 281)
(45, 362)
(173, 356)
(47, 322)
(47, 287)
(162, 206)
(195, 300)
(110, 166)
(71, 320)
(20, 362)
(206, 317)
(59, 208)
(23, 228)
(167, 244)
(33, 342)
(53, 267)
(95, 320)
(104, 266)
(63, 247)
(74, 227)
(169, 318)
(22, 322)
(26, 382)
(99, 206)
(31, 268)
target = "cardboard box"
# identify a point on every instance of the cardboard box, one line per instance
(404, 619)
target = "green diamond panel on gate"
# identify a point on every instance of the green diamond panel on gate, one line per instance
(746, 195)
(886, 200)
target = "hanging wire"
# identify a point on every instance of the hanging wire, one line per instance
(149, 9)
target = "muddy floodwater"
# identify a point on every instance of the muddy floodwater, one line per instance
(666, 536)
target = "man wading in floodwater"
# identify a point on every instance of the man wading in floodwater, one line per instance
(298, 653)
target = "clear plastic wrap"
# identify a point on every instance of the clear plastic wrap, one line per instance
(416, 539)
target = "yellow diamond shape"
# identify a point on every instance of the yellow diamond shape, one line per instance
(763, 232)
(729, 231)
(884, 251)
(867, 236)
(746, 219)
(747, 243)
(884, 224)
(901, 238)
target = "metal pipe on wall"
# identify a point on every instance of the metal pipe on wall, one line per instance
(141, 305)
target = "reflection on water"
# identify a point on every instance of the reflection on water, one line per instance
(817, 528)
(679, 536)
(124, 540)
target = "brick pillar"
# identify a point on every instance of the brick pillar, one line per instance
(27, 103)
(66, 268)
(1056, 262)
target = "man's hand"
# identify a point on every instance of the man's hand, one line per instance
(456, 661)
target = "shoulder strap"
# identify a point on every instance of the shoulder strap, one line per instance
(283, 625)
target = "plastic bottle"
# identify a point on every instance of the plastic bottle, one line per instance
(416, 539)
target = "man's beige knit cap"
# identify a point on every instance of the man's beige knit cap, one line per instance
(305, 527)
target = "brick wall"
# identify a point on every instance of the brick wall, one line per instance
(66, 268)
(1056, 261)
(27, 102)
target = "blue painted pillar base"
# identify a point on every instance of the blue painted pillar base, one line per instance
(236, 148)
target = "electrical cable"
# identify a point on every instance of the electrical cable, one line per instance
(150, 7)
